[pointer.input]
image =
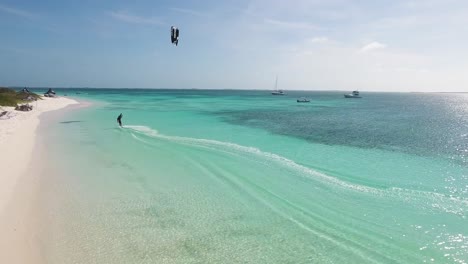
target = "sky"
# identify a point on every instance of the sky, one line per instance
(385, 45)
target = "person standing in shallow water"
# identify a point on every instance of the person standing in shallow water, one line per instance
(119, 119)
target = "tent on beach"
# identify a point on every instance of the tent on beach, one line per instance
(25, 90)
(50, 93)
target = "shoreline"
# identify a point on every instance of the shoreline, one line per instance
(19, 183)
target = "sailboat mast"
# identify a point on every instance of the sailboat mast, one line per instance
(276, 83)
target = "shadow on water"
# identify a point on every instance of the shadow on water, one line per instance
(70, 122)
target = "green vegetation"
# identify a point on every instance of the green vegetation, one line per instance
(9, 97)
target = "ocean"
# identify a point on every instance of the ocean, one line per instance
(228, 176)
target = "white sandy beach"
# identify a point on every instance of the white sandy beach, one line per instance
(17, 141)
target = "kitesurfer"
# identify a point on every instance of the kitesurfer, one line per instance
(119, 119)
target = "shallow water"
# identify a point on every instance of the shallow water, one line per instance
(199, 176)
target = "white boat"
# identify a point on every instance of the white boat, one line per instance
(276, 91)
(354, 94)
(303, 100)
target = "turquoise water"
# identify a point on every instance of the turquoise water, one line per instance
(199, 176)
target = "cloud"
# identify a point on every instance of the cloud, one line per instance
(386, 70)
(188, 11)
(17, 12)
(319, 40)
(373, 46)
(134, 19)
(290, 25)
(415, 70)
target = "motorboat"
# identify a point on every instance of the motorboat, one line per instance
(354, 94)
(303, 100)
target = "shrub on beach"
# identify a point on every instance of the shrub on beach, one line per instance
(9, 97)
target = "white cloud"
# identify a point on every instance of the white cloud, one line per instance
(415, 70)
(17, 12)
(317, 67)
(188, 11)
(319, 40)
(134, 19)
(373, 46)
(289, 24)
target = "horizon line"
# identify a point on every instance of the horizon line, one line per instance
(226, 89)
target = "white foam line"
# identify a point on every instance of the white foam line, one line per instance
(139, 139)
(311, 174)
(253, 151)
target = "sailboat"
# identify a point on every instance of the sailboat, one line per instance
(276, 91)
